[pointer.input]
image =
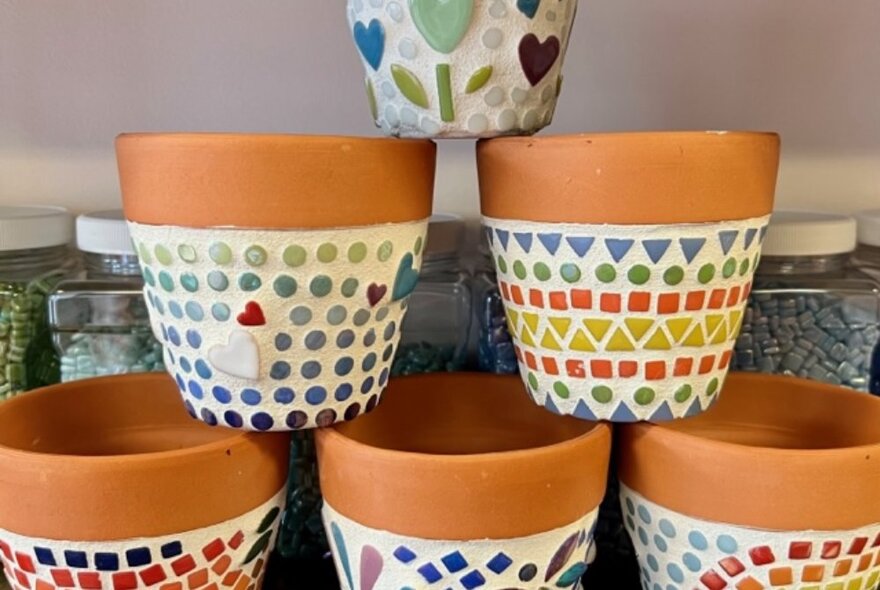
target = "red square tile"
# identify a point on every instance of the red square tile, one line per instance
(716, 299)
(733, 296)
(655, 370)
(639, 301)
(4, 548)
(575, 369)
(713, 581)
(582, 299)
(746, 291)
(683, 367)
(536, 298)
(732, 566)
(25, 563)
(609, 302)
(601, 369)
(800, 550)
(22, 579)
(707, 363)
(171, 586)
(89, 580)
(519, 356)
(153, 574)
(668, 303)
(516, 295)
(62, 578)
(761, 555)
(876, 542)
(558, 300)
(531, 361)
(550, 366)
(230, 578)
(236, 540)
(184, 564)
(831, 549)
(197, 579)
(724, 362)
(505, 291)
(124, 581)
(627, 368)
(858, 545)
(695, 300)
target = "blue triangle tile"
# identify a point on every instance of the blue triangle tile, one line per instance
(548, 403)
(728, 239)
(656, 249)
(490, 237)
(580, 245)
(623, 414)
(503, 237)
(750, 236)
(583, 411)
(690, 247)
(550, 241)
(663, 414)
(763, 233)
(694, 409)
(524, 240)
(618, 248)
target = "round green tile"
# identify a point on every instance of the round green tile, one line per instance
(284, 286)
(321, 286)
(639, 274)
(602, 394)
(673, 275)
(327, 252)
(163, 255)
(683, 393)
(542, 271)
(706, 274)
(249, 282)
(386, 249)
(294, 256)
(729, 268)
(349, 287)
(644, 396)
(256, 256)
(606, 273)
(187, 253)
(220, 253)
(570, 273)
(357, 252)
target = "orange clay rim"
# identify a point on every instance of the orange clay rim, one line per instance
(761, 487)
(629, 178)
(389, 490)
(267, 181)
(115, 497)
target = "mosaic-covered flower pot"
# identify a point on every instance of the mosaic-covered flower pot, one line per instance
(625, 261)
(462, 68)
(459, 481)
(108, 484)
(277, 268)
(774, 487)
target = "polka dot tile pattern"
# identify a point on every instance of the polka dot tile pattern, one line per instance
(677, 552)
(624, 323)
(293, 308)
(369, 558)
(468, 68)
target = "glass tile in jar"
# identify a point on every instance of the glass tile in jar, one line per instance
(34, 256)
(809, 314)
(495, 351)
(436, 331)
(866, 258)
(99, 322)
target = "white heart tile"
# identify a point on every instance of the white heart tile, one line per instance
(240, 357)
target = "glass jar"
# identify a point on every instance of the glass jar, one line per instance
(495, 351)
(809, 313)
(34, 256)
(99, 321)
(435, 333)
(866, 258)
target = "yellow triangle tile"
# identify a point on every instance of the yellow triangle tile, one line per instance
(658, 341)
(549, 342)
(531, 320)
(513, 316)
(712, 322)
(734, 322)
(638, 327)
(721, 335)
(695, 338)
(598, 328)
(561, 325)
(581, 343)
(526, 338)
(619, 341)
(678, 327)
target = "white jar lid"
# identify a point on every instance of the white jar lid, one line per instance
(104, 232)
(445, 233)
(804, 233)
(869, 227)
(24, 228)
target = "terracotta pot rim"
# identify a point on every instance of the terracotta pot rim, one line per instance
(628, 136)
(183, 137)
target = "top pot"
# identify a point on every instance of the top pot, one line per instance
(277, 268)
(462, 68)
(625, 261)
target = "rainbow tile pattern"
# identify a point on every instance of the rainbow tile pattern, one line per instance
(625, 323)
(677, 552)
(369, 559)
(279, 330)
(227, 556)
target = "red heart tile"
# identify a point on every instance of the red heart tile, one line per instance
(538, 58)
(252, 315)
(375, 293)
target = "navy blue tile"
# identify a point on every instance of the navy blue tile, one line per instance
(499, 563)
(430, 573)
(138, 557)
(45, 556)
(404, 555)
(454, 562)
(473, 580)
(172, 549)
(76, 559)
(107, 562)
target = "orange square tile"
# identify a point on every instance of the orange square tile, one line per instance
(639, 301)
(842, 567)
(258, 568)
(609, 302)
(536, 298)
(582, 299)
(813, 573)
(865, 561)
(212, 586)
(243, 583)
(221, 565)
(716, 299)
(575, 369)
(668, 303)
(531, 361)
(197, 579)
(43, 585)
(558, 300)
(655, 370)
(724, 362)
(550, 366)
(683, 367)
(516, 295)
(171, 586)
(230, 578)
(695, 300)
(707, 363)
(781, 576)
(749, 583)
(627, 368)
(733, 296)
(746, 291)
(877, 561)
(601, 369)
(505, 290)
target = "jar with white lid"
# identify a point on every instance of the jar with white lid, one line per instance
(866, 258)
(34, 256)
(435, 335)
(99, 321)
(809, 313)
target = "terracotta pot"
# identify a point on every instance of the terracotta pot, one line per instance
(440, 486)
(277, 267)
(775, 486)
(107, 483)
(462, 68)
(625, 262)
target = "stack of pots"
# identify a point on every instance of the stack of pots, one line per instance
(277, 271)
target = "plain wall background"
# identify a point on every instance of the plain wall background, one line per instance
(74, 73)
